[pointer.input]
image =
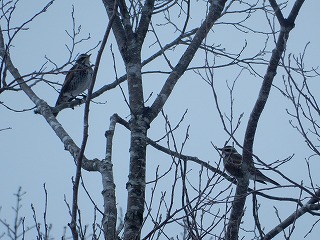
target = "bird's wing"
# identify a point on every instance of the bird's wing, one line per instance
(68, 78)
(66, 83)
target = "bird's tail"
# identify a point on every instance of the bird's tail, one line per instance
(272, 181)
(260, 177)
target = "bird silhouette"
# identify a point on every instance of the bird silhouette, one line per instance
(232, 161)
(77, 80)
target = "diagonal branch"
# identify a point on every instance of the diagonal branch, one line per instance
(214, 14)
(310, 205)
(239, 202)
(45, 111)
(277, 11)
(145, 19)
(117, 26)
(123, 78)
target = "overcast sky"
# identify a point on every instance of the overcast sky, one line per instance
(31, 154)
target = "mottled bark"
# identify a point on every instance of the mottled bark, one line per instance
(109, 220)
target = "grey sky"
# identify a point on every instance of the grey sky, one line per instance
(33, 155)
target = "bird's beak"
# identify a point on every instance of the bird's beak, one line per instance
(219, 149)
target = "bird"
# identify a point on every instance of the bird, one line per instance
(77, 80)
(232, 161)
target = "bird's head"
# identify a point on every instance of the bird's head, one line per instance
(84, 59)
(227, 150)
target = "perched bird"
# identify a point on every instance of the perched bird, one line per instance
(232, 161)
(77, 80)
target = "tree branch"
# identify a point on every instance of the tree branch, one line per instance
(145, 20)
(238, 205)
(73, 224)
(45, 111)
(294, 216)
(214, 13)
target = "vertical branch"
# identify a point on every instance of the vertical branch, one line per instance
(73, 225)
(110, 210)
(255, 212)
(139, 124)
(141, 119)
